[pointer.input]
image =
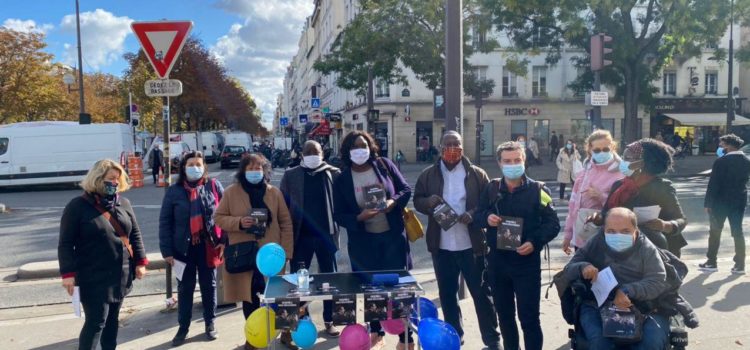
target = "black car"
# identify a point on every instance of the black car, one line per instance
(231, 156)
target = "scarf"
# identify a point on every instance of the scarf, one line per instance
(627, 191)
(107, 202)
(328, 186)
(256, 193)
(196, 210)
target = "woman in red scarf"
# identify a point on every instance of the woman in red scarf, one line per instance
(644, 162)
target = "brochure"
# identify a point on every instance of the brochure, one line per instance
(374, 197)
(509, 233)
(445, 216)
(376, 307)
(288, 314)
(344, 309)
(401, 304)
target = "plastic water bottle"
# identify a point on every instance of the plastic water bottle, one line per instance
(303, 279)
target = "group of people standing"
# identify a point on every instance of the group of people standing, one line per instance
(101, 249)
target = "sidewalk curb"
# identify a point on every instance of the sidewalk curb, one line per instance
(50, 269)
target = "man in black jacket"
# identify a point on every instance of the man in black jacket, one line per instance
(309, 195)
(522, 206)
(726, 197)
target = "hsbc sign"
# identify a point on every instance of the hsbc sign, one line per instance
(522, 111)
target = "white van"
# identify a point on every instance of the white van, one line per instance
(238, 139)
(211, 149)
(34, 153)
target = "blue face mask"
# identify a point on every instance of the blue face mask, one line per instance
(618, 241)
(720, 152)
(194, 173)
(625, 168)
(568, 146)
(602, 157)
(110, 188)
(254, 176)
(514, 171)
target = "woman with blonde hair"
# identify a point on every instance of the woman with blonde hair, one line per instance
(591, 188)
(101, 251)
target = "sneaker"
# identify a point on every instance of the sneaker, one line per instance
(708, 267)
(738, 270)
(332, 331)
(211, 332)
(180, 337)
(286, 339)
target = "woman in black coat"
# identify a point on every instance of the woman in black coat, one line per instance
(643, 163)
(101, 251)
(188, 233)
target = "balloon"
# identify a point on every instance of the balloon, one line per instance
(354, 337)
(305, 335)
(435, 334)
(394, 327)
(256, 327)
(270, 259)
(427, 309)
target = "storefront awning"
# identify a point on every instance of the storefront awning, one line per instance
(707, 119)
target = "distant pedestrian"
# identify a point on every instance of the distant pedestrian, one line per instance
(534, 148)
(101, 252)
(726, 197)
(188, 234)
(156, 162)
(676, 141)
(689, 143)
(565, 159)
(554, 146)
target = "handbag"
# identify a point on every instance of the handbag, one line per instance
(240, 257)
(414, 229)
(577, 167)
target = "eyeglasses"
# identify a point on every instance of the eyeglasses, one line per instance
(599, 150)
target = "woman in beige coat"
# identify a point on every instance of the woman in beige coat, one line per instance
(252, 191)
(565, 159)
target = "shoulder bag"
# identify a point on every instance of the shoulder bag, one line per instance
(240, 257)
(412, 225)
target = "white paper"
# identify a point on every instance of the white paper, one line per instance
(605, 282)
(76, 302)
(646, 214)
(406, 279)
(179, 269)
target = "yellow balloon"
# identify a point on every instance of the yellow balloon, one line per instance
(256, 327)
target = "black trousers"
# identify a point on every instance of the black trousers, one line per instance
(562, 189)
(517, 287)
(196, 262)
(100, 326)
(258, 286)
(717, 218)
(307, 245)
(448, 266)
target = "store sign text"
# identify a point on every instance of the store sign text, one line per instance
(522, 111)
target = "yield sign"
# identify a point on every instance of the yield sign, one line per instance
(162, 42)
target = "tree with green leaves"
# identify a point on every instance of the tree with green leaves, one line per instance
(648, 34)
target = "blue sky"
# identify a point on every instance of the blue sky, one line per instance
(254, 39)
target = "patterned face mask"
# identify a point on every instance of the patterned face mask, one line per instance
(452, 154)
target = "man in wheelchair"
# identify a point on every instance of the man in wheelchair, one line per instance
(645, 284)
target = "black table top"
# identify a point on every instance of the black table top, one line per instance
(339, 283)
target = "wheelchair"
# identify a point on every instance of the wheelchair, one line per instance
(580, 291)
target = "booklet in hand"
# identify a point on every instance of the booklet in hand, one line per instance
(344, 309)
(288, 314)
(509, 233)
(621, 323)
(376, 307)
(261, 222)
(374, 197)
(445, 216)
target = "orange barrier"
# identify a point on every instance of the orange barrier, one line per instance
(162, 181)
(135, 170)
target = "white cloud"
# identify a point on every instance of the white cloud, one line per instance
(102, 37)
(258, 51)
(26, 26)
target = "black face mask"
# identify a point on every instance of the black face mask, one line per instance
(110, 189)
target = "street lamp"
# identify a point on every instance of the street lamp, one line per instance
(730, 95)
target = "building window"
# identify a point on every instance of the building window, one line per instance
(539, 83)
(712, 79)
(541, 133)
(478, 37)
(382, 89)
(670, 83)
(510, 88)
(480, 72)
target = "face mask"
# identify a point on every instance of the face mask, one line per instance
(602, 157)
(194, 173)
(360, 155)
(110, 188)
(514, 171)
(720, 152)
(618, 241)
(452, 155)
(568, 146)
(254, 176)
(312, 162)
(625, 168)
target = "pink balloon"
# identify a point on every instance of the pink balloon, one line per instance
(354, 337)
(394, 327)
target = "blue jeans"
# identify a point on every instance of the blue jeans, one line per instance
(655, 331)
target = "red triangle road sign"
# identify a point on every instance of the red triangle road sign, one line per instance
(162, 42)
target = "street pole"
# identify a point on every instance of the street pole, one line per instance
(130, 113)
(730, 93)
(596, 113)
(370, 99)
(477, 151)
(81, 99)
(454, 53)
(167, 175)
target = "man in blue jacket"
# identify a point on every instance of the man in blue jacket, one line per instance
(514, 206)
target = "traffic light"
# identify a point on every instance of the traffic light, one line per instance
(127, 114)
(132, 116)
(599, 51)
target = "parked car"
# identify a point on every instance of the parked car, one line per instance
(231, 156)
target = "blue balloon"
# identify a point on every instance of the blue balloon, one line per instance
(427, 309)
(270, 259)
(435, 334)
(305, 335)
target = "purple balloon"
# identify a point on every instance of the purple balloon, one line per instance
(394, 327)
(354, 337)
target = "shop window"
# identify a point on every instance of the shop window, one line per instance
(541, 133)
(518, 128)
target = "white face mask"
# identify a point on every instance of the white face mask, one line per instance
(360, 155)
(312, 162)
(194, 173)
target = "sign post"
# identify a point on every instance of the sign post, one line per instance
(162, 42)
